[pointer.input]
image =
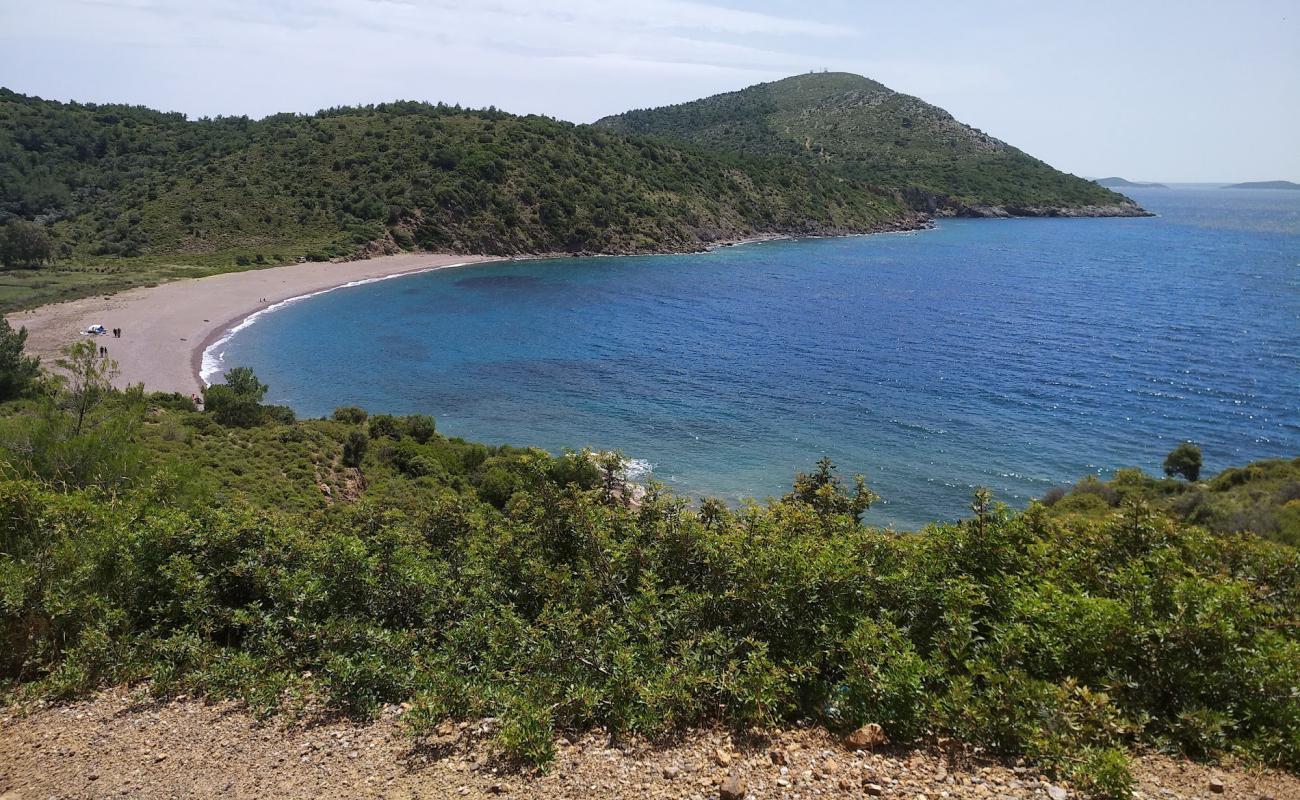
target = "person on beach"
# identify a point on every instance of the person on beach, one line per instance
(103, 351)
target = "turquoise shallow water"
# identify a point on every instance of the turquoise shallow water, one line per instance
(1015, 354)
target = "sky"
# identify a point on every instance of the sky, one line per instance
(1165, 90)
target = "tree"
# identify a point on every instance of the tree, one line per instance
(17, 371)
(82, 433)
(237, 402)
(24, 244)
(88, 378)
(243, 381)
(354, 447)
(1184, 460)
(825, 492)
(420, 427)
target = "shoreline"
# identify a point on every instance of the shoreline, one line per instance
(223, 333)
(166, 328)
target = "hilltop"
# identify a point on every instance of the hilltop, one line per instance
(862, 130)
(1124, 183)
(1264, 185)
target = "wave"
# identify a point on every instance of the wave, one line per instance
(637, 469)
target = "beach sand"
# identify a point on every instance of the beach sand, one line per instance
(165, 328)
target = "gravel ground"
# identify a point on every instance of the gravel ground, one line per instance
(122, 745)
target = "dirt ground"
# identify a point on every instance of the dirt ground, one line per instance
(123, 745)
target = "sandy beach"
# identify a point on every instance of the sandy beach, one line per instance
(165, 328)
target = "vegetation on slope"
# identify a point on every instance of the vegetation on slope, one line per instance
(1263, 498)
(127, 193)
(248, 559)
(863, 130)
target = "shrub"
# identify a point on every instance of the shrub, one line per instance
(237, 402)
(491, 581)
(527, 732)
(1102, 773)
(883, 680)
(350, 414)
(1091, 484)
(1185, 461)
(24, 244)
(420, 427)
(172, 401)
(278, 415)
(385, 426)
(17, 370)
(354, 448)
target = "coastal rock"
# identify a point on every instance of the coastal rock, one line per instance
(733, 788)
(867, 737)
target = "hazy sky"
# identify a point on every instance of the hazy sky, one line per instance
(1147, 89)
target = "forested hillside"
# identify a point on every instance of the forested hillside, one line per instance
(112, 182)
(115, 196)
(862, 130)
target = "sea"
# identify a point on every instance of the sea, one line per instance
(1013, 354)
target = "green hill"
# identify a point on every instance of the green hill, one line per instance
(127, 195)
(861, 129)
(131, 190)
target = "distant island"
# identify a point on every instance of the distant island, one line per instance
(1124, 183)
(1264, 185)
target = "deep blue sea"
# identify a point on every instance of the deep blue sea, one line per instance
(1015, 354)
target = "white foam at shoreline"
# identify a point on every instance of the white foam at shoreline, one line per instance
(211, 362)
(637, 469)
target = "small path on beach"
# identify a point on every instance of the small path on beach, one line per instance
(165, 327)
(122, 744)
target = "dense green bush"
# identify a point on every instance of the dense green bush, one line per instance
(24, 244)
(472, 581)
(1064, 642)
(237, 402)
(17, 370)
(1262, 498)
(1184, 461)
(351, 414)
(354, 448)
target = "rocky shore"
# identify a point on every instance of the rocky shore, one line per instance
(1004, 212)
